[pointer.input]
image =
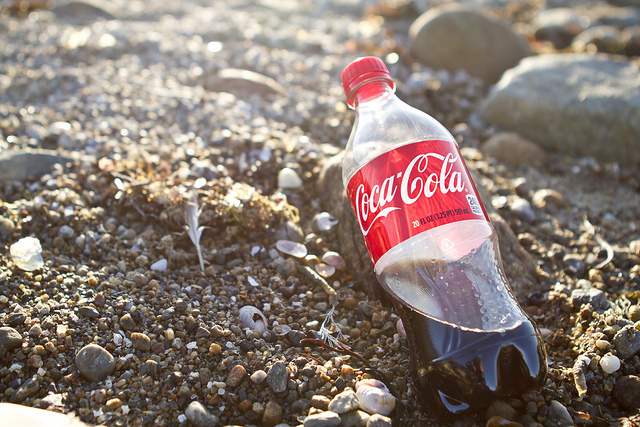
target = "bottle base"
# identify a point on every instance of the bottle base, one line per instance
(459, 371)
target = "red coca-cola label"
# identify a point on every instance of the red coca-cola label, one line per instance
(411, 189)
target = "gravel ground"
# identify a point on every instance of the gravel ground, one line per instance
(154, 111)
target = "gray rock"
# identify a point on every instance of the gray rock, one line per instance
(377, 420)
(590, 295)
(344, 402)
(242, 82)
(289, 230)
(28, 388)
(627, 342)
(19, 415)
(323, 419)
(88, 311)
(585, 105)
(354, 419)
(512, 149)
(522, 209)
(626, 392)
(574, 264)
(603, 38)
(18, 165)
(9, 340)
(198, 415)
(6, 227)
(455, 36)
(95, 363)
(277, 377)
(81, 13)
(559, 25)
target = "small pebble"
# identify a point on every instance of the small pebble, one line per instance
(272, 414)
(258, 376)
(236, 376)
(344, 402)
(26, 253)
(160, 265)
(198, 415)
(627, 391)
(560, 411)
(95, 363)
(323, 419)
(289, 178)
(277, 377)
(9, 339)
(378, 420)
(140, 341)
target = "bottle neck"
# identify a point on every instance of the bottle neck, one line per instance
(372, 93)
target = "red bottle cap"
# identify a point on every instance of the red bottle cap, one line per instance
(363, 70)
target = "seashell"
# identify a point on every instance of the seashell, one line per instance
(281, 330)
(325, 270)
(324, 221)
(292, 248)
(374, 397)
(610, 363)
(334, 259)
(253, 319)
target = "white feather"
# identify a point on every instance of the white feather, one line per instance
(192, 214)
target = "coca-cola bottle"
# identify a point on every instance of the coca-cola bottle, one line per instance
(434, 251)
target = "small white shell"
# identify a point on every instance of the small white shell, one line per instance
(289, 247)
(374, 397)
(281, 330)
(253, 319)
(610, 363)
(400, 327)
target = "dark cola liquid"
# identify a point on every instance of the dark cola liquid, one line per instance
(470, 341)
(458, 371)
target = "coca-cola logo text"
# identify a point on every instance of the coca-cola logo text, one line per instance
(414, 182)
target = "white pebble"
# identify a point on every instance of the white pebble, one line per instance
(253, 282)
(26, 253)
(182, 418)
(561, 412)
(160, 265)
(288, 178)
(374, 397)
(610, 363)
(325, 270)
(258, 376)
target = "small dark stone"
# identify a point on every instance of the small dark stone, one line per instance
(627, 392)
(9, 340)
(88, 311)
(95, 363)
(29, 388)
(16, 319)
(277, 377)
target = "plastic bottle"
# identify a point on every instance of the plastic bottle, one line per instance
(435, 251)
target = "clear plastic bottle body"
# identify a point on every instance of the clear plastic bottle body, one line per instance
(470, 342)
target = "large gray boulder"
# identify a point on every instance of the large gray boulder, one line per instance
(578, 104)
(456, 37)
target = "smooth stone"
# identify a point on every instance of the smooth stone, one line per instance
(577, 104)
(502, 409)
(514, 150)
(9, 339)
(88, 311)
(522, 209)
(289, 179)
(626, 392)
(140, 341)
(344, 402)
(18, 165)
(19, 415)
(378, 420)
(66, 232)
(95, 363)
(591, 295)
(574, 264)
(559, 25)
(127, 322)
(258, 376)
(456, 37)
(291, 231)
(560, 411)
(199, 416)
(236, 376)
(238, 81)
(81, 13)
(29, 388)
(354, 419)
(277, 377)
(323, 419)
(6, 228)
(160, 265)
(272, 414)
(627, 342)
